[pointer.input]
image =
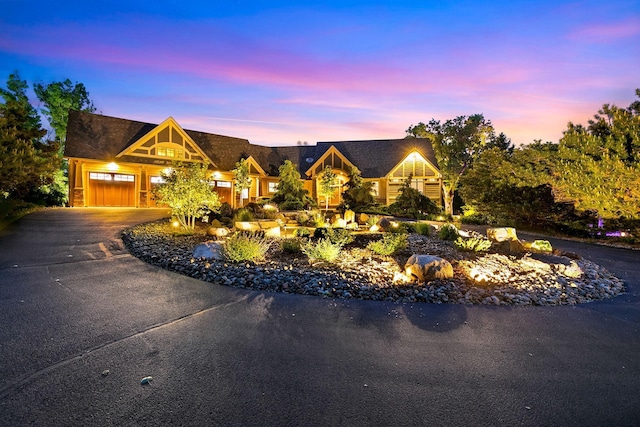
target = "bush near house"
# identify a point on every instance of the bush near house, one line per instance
(389, 244)
(245, 247)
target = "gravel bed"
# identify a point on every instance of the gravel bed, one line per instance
(489, 279)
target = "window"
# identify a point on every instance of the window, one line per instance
(223, 184)
(123, 178)
(156, 180)
(170, 152)
(100, 176)
(272, 187)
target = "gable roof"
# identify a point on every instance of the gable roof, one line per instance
(94, 136)
(376, 158)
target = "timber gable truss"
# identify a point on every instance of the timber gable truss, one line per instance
(168, 141)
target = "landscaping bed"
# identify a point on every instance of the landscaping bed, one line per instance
(479, 278)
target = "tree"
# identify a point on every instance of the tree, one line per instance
(599, 166)
(18, 113)
(27, 164)
(290, 193)
(241, 178)
(456, 143)
(412, 203)
(60, 97)
(327, 185)
(188, 193)
(357, 195)
(514, 187)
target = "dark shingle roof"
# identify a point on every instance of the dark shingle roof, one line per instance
(376, 158)
(94, 136)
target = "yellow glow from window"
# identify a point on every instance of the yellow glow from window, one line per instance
(113, 166)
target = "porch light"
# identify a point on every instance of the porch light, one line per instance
(113, 166)
(217, 175)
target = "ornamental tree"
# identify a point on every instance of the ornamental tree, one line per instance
(327, 185)
(290, 193)
(241, 178)
(457, 143)
(188, 192)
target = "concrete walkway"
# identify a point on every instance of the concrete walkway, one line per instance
(74, 305)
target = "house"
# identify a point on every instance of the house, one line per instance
(116, 162)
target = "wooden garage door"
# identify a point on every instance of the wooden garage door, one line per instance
(111, 189)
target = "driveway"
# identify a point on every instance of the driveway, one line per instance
(82, 322)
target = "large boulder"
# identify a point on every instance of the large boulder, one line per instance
(218, 232)
(501, 234)
(209, 250)
(428, 267)
(505, 239)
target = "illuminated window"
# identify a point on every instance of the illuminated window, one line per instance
(123, 178)
(100, 176)
(156, 180)
(273, 187)
(224, 184)
(170, 152)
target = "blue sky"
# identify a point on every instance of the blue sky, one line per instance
(279, 72)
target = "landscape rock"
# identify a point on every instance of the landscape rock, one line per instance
(209, 250)
(501, 234)
(428, 267)
(219, 232)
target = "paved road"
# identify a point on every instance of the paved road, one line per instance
(73, 304)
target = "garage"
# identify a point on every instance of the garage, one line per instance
(111, 189)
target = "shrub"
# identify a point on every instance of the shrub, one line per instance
(423, 228)
(242, 215)
(291, 246)
(303, 218)
(448, 232)
(335, 235)
(372, 220)
(321, 250)
(301, 232)
(245, 247)
(472, 244)
(542, 246)
(389, 244)
(397, 228)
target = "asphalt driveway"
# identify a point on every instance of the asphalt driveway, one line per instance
(74, 305)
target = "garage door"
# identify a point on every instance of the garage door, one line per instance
(111, 189)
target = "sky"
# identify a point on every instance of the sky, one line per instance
(278, 72)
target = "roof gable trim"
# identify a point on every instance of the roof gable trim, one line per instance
(167, 141)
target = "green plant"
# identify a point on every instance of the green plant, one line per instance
(301, 232)
(291, 246)
(542, 246)
(448, 232)
(303, 218)
(245, 247)
(186, 190)
(372, 220)
(340, 236)
(243, 215)
(389, 244)
(216, 224)
(321, 250)
(398, 228)
(423, 228)
(472, 244)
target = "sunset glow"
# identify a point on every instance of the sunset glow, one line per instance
(281, 72)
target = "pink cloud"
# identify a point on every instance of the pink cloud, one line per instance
(609, 32)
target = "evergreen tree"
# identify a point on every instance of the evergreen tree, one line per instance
(27, 164)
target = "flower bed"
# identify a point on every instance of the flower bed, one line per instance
(492, 278)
